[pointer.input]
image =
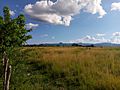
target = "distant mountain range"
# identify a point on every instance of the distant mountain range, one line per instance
(78, 44)
(107, 44)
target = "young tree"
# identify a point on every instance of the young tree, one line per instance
(12, 34)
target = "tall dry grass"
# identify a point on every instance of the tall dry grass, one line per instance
(79, 68)
(65, 68)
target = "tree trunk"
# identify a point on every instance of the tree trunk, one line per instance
(7, 72)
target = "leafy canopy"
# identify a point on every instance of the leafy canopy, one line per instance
(12, 31)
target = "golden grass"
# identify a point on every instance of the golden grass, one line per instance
(98, 67)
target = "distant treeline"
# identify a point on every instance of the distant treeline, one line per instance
(59, 45)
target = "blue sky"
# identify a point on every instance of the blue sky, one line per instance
(88, 21)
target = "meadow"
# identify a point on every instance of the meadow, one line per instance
(65, 68)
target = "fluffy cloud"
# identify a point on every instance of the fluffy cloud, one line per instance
(91, 39)
(115, 6)
(31, 26)
(115, 40)
(100, 34)
(94, 6)
(62, 11)
(116, 34)
(12, 13)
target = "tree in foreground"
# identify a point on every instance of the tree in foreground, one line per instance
(12, 34)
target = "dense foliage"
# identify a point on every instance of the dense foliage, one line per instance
(12, 31)
(12, 34)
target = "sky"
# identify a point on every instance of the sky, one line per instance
(69, 21)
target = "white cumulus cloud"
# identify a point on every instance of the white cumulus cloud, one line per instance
(115, 40)
(115, 6)
(62, 11)
(116, 34)
(94, 6)
(93, 39)
(12, 13)
(100, 34)
(90, 39)
(31, 26)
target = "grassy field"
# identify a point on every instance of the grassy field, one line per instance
(65, 68)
